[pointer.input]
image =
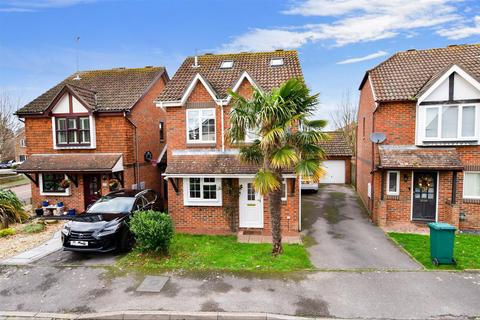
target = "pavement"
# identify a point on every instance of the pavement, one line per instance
(341, 236)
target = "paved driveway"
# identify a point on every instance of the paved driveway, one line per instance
(340, 235)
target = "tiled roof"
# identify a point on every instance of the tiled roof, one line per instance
(403, 75)
(412, 157)
(71, 162)
(209, 164)
(257, 65)
(336, 146)
(105, 90)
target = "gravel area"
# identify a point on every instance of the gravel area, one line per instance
(20, 242)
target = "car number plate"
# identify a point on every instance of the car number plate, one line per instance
(79, 243)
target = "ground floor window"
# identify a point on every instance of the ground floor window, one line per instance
(202, 191)
(471, 185)
(393, 183)
(53, 184)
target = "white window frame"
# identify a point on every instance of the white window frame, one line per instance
(397, 192)
(187, 201)
(59, 194)
(285, 185)
(22, 143)
(438, 137)
(200, 140)
(227, 64)
(464, 195)
(277, 62)
(93, 137)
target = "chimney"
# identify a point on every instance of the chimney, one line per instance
(195, 60)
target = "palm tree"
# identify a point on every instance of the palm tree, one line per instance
(286, 140)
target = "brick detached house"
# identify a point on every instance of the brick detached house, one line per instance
(427, 103)
(210, 190)
(93, 132)
(20, 145)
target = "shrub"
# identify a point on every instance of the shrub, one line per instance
(11, 209)
(34, 228)
(153, 230)
(7, 232)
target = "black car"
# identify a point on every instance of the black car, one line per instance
(104, 226)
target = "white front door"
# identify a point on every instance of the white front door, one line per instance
(334, 171)
(251, 205)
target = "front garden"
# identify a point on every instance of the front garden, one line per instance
(466, 250)
(203, 252)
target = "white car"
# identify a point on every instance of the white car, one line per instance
(308, 185)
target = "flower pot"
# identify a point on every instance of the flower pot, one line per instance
(45, 203)
(39, 212)
(71, 212)
(60, 204)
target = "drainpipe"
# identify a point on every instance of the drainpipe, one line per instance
(136, 166)
(223, 128)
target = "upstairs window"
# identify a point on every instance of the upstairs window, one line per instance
(161, 127)
(201, 126)
(276, 62)
(226, 64)
(22, 143)
(450, 122)
(73, 131)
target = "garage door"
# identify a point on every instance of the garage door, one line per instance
(335, 171)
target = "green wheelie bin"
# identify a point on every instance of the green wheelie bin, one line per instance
(442, 239)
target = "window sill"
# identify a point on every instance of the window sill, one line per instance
(393, 197)
(201, 145)
(470, 200)
(89, 147)
(55, 194)
(202, 204)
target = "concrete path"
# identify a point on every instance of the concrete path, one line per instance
(36, 253)
(342, 237)
(380, 294)
(23, 192)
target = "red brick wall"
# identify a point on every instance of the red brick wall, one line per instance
(364, 146)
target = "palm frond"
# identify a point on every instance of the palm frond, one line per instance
(265, 181)
(252, 153)
(310, 168)
(284, 157)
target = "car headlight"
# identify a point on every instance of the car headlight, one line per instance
(108, 231)
(66, 231)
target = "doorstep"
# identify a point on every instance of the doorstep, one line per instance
(251, 237)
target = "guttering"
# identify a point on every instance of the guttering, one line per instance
(213, 175)
(136, 166)
(223, 127)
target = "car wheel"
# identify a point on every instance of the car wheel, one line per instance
(127, 241)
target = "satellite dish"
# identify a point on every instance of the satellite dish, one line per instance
(377, 137)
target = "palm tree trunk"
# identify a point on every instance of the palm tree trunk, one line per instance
(275, 200)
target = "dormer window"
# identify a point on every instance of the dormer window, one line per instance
(226, 64)
(276, 62)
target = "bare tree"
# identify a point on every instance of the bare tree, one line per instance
(9, 125)
(345, 119)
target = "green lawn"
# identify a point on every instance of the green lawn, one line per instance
(466, 250)
(10, 181)
(202, 252)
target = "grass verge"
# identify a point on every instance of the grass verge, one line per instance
(13, 181)
(466, 250)
(203, 252)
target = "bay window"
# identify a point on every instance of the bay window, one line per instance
(455, 122)
(471, 185)
(201, 125)
(72, 131)
(202, 191)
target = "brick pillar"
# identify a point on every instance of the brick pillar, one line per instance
(455, 215)
(381, 213)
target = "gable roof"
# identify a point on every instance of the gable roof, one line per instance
(402, 76)
(336, 146)
(256, 64)
(102, 90)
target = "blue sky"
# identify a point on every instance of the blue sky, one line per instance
(337, 40)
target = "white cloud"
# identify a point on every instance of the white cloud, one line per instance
(353, 21)
(364, 58)
(462, 31)
(29, 6)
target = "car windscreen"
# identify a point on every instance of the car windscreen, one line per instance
(112, 205)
